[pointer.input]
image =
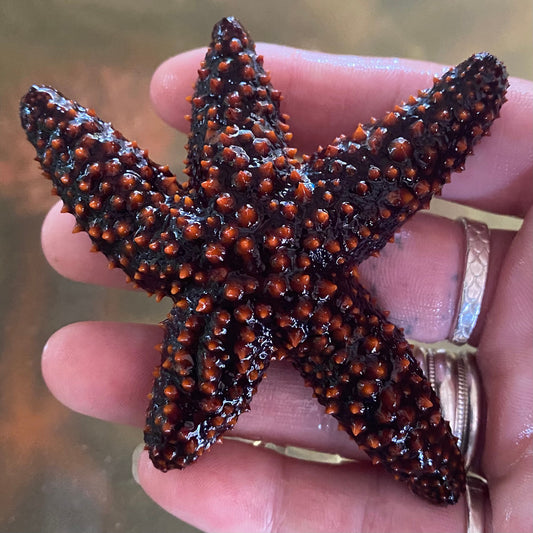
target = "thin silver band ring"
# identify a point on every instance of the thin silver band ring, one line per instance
(475, 276)
(477, 504)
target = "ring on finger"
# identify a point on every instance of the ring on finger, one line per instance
(477, 237)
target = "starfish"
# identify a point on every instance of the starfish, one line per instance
(258, 250)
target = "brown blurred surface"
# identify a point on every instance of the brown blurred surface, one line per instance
(62, 471)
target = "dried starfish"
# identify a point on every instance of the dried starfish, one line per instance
(259, 251)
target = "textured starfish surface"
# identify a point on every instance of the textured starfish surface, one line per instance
(259, 250)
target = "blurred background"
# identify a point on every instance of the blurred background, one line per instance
(61, 471)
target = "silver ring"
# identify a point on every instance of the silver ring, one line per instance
(475, 276)
(456, 381)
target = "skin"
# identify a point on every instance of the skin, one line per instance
(416, 279)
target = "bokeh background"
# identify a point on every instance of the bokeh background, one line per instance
(61, 471)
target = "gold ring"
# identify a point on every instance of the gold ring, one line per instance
(456, 380)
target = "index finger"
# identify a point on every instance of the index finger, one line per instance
(327, 95)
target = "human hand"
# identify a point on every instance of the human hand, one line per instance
(237, 487)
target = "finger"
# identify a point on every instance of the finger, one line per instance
(417, 278)
(241, 488)
(104, 370)
(342, 91)
(69, 253)
(505, 359)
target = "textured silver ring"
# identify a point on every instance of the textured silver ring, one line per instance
(456, 381)
(474, 279)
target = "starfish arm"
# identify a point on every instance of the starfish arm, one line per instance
(214, 354)
(362, 370)
(236, 123)
(118, 195)
(389, 169)
(238, 161)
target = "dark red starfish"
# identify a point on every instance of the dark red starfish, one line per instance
(259, 251)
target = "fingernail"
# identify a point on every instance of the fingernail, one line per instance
(45, 350)
(135, 457)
